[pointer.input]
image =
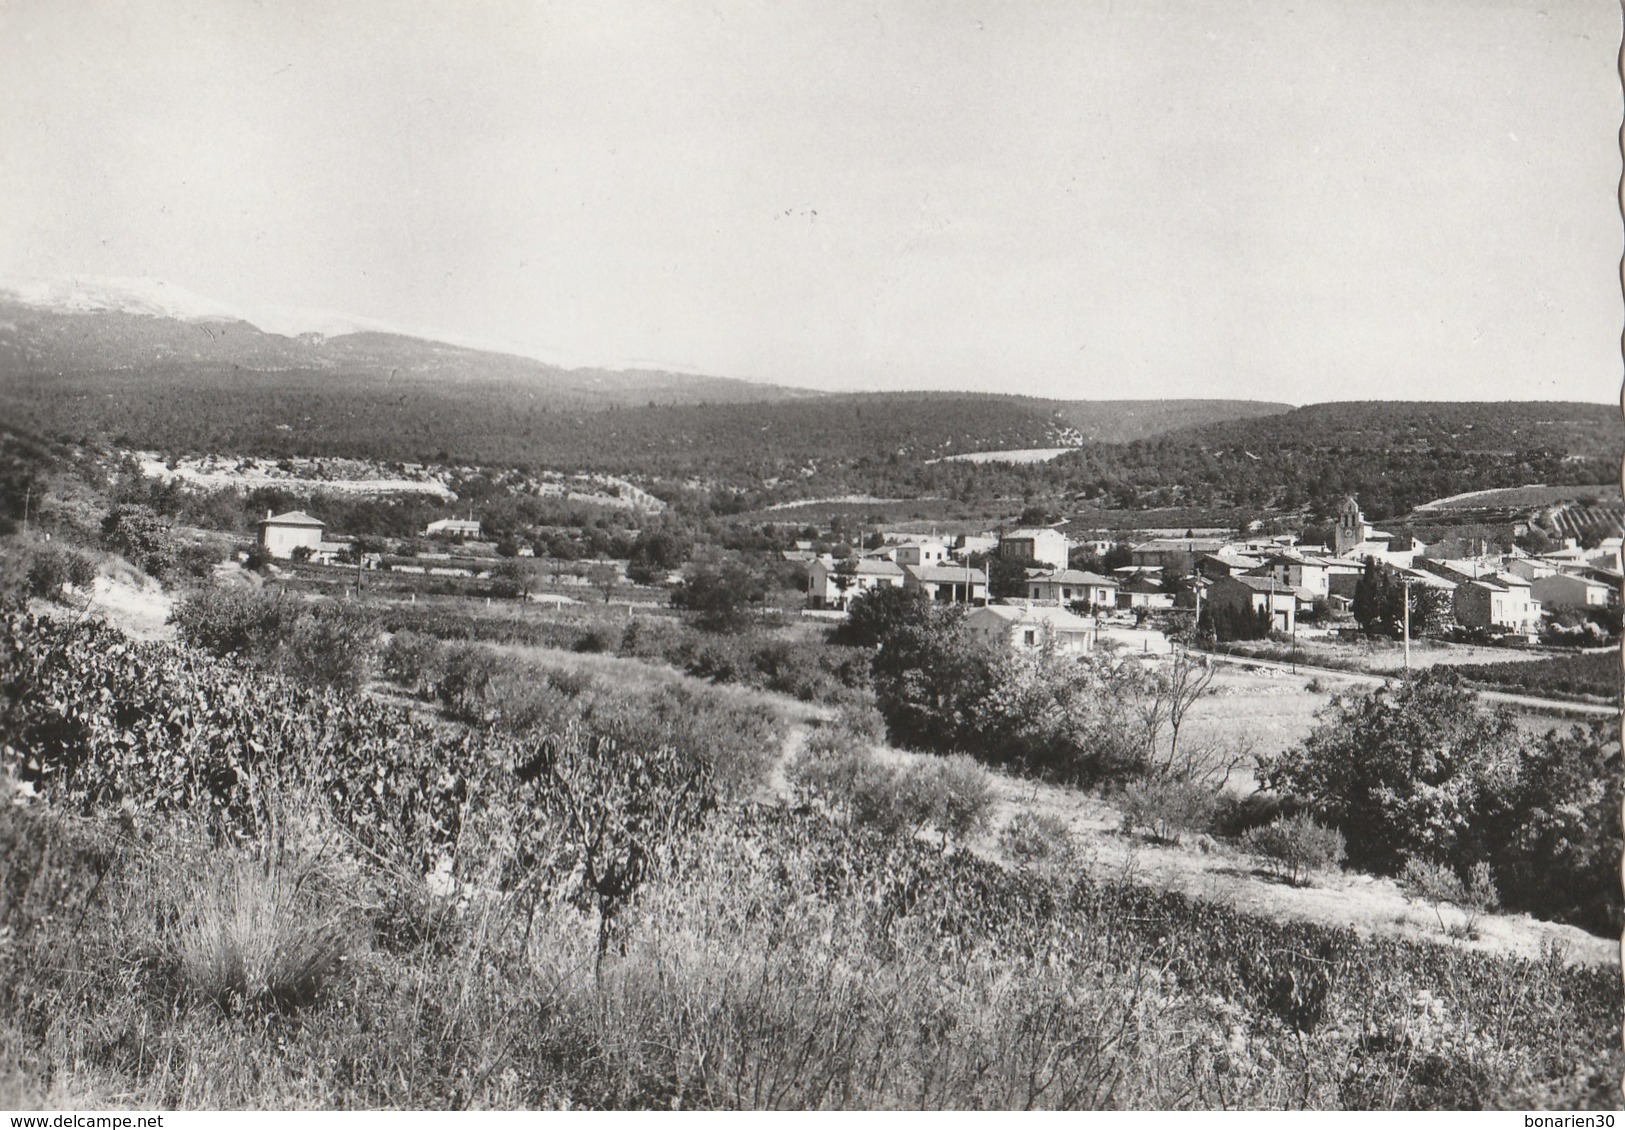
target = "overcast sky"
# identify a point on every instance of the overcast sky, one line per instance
(1296, 200)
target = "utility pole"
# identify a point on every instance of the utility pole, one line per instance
(1407, 583)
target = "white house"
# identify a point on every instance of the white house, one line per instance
(280, 535)
(1042, 544)
(1499, 602)
(833, 585)
(1143, 591)
(920, 553)
(1297, 571)
(1559, 590)
(1013, 626)
(453, 528)
(947, 584)
(1257, 594)
(1073, 586)
(1530, 568)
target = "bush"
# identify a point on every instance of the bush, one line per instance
(1559, 844)
(414, 661)
(466, 675)
(322, 644)
(47, 573)
(874, 614)
(737, 743)
(596, 640)
(1234, 816)
(332, 645)
(143, 536)
(1165, 809)
(1406, 770)
(836, 770)
(234, 621)
(1031, 838)
(954, 795)
(1295, 846)
(1437, 884)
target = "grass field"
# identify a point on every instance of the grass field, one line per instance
(1379, 656)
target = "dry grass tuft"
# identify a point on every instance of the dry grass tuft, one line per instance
(244, 938)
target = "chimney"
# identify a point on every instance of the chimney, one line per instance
(267, 513)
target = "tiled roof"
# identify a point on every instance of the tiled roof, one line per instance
(1261, 584)
(878, 567)
(1073, 577)
(292, 518)
(945, 574)
(1058, 618)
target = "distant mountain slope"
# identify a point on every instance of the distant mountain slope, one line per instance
(177, 375)
(42, 342)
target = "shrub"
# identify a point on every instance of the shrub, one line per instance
(322, 644)
(144, 537)
(81, 570)
(863, 722)
(234, 621)
(414, 661)
(874, 614)
(331, 645)
(737, 743)
(1165, 809)
(720, 592)
(47, 573)
(465, 676)
(954, 795)
(1031, 838)
(1405, 770)
(596, 640)
(1295, 846)
(1558, 844)
(1437, 884)
(1235, 816)
(828, 768)
(47, 568)
(837, 769)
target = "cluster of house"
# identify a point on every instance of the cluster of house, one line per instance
(1274, 576)
(295, 535)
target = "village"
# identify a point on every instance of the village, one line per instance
(1049, 589)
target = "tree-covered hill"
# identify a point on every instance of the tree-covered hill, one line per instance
(224, 386)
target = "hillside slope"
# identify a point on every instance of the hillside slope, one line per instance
(206, 383)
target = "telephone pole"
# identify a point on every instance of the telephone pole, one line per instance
(1407, 583)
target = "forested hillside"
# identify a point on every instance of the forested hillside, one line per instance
(1391, 455)
(132, 380)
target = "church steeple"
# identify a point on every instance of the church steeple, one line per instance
(1352, 529)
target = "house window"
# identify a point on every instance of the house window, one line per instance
(1029, 637)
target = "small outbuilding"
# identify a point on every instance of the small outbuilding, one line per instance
(281, 534)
